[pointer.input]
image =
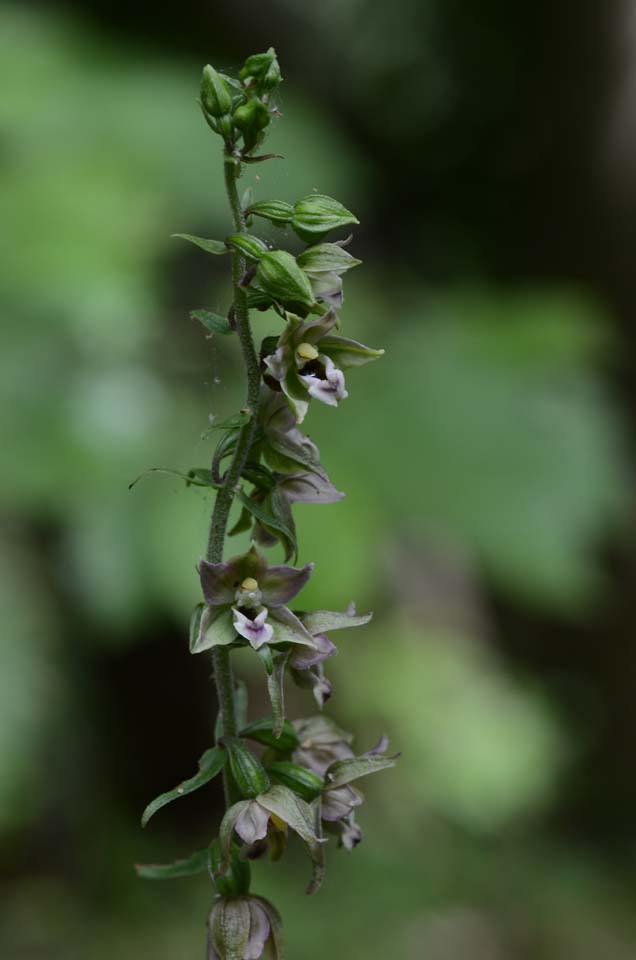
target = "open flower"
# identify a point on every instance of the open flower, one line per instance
(247, 597)
(244, 928)
(309, 360)
(272, 812)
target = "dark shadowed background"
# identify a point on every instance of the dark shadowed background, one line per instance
(489, 151)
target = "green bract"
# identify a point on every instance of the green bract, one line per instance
(215, 93)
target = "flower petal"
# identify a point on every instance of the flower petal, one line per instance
(305, 658)
(309, 487)
(259, 931)
(280, 584)
(256, 631)
(339, 802)
(251, 823)
(330, 390)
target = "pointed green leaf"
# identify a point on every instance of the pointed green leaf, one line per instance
(322, 621)
(213, 322)
(216, 247)
(194, 478)
(197, 863)
(345, 771)
(210, 764)
(235, 422)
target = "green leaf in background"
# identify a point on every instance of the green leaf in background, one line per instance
(213, 322)
(217, 247)
(210, 764)
(197, 863)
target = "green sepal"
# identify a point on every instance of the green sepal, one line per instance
(210, 765)
(279, 275)
(247, 770)
(197, 863)
(216, 629)
(316, 215)
(302, 781)
(250, 247)
(326, 258)
(230, 879)
(348, 353)
(304, 820)
(213, 322)
(276, 211)
(217, 247)
(262, 731)
(345, 771)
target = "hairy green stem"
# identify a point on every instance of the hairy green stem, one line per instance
(223, 677)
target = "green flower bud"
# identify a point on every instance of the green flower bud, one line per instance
(262, 732)
(247, 770)
(244, 927)
(215, 93)
(326, 258)
(276, 211)
(261, 69)
(279, 275)
(305, 783)
(315, 215)
(235, 878)
(251, 247)
(251, 118)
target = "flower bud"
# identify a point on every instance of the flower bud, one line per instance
(315, 215)
(261, 69)
(247, 770)
(251, 247)
(243, 928)
(305, 783)
(215, 93)
(251, 118)
(276, 211)
(229, 880)
(262, 732)
(326, 258)
(279, 275)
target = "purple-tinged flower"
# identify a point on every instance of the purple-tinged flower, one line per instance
(309, 360)
(244, 928)
(246, 596)
(339, 799)
(322, 742)
(271, 813)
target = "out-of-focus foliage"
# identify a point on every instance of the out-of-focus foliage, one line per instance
(483, 458)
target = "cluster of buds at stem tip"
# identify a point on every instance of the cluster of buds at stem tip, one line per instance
(281, 776)
(240, 109)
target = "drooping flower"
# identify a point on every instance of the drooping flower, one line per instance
(247, 597)
(270, 813)
(244, 928)
(308, 361)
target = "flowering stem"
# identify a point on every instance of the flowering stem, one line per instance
(221, 656)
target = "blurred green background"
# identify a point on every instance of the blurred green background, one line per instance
(489, 152)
